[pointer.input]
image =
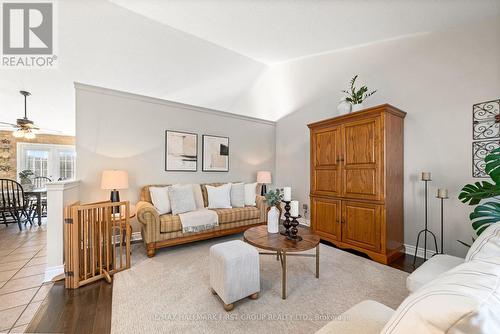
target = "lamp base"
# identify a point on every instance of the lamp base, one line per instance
(115, 197)
(263, 190)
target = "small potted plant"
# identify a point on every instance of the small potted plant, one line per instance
(25, 178)
(273, 200)
(355, 97)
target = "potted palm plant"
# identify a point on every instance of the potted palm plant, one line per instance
(485, 213)
(354, 97)
(273, 200)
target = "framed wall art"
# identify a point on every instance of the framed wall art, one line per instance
(181, 151)
(215, 154)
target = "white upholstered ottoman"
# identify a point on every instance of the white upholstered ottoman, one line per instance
(234, 272)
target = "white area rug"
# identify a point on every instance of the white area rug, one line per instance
(170, 292)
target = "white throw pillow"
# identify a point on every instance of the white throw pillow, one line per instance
(237, 195)
(181, 198)
(160, 199)
(198, 197)
(465, 299)
(250, 193)
(487, 245)
(219, 197)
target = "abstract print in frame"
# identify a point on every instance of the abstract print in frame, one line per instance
(181, 151)
(215, 154)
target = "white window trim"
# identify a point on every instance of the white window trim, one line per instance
(23, 146)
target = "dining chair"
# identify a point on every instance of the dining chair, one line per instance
(39, 182)
(13, 204)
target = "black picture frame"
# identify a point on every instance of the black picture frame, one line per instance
(224, 150)
(166, 152)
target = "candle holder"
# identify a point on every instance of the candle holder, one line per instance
(442, 198)
(425, 231)
(293, 231)
(287, 223)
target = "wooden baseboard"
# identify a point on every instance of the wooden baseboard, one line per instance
(378, 257)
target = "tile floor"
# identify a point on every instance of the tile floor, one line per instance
(22, 267)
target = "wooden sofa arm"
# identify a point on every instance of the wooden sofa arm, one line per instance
(260, 201)
(148, 216)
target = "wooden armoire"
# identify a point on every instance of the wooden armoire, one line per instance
(357, 181)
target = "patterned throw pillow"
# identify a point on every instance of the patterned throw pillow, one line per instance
(181, 198)
(237, 195)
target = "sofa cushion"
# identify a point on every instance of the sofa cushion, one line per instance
(170, 223)
(181, 198)
(487, 245)
(219, 197)
(430, 269)
(198, 196)
(366, 317)
(250, 193)
(465, 299)
(237, 214)
(160, 199)
(237, 195)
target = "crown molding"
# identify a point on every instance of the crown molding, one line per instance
(108, 91)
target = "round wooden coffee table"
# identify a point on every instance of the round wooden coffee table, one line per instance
(282, 247)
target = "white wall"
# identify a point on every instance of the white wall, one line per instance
(117, 130)
(436, 78)
(103, 44)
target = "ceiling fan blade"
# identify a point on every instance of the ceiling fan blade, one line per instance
(5, 123)
(49, 131)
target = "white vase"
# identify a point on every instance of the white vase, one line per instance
(344, 107)
(273, 216)
(357, 107)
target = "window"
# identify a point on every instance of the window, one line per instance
(66, 165)
(56, 162)
(37, 162)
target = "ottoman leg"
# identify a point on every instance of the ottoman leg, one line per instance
(228, 307)
(254, 296)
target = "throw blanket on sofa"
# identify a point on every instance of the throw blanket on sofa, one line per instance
(199, 220)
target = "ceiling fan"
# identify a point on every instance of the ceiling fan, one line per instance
(24, 127)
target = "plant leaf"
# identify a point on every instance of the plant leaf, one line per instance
(484, 215)
(353, 80)
(493, 165)
(474, 193)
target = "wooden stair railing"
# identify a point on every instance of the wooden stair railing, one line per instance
(96, 242)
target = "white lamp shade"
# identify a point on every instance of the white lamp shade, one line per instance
(114, 179)
(264, 177)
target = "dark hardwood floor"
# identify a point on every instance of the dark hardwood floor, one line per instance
(84, 310)
(87, 310)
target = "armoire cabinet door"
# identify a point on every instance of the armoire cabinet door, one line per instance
(326, 217)
(325, 176)
(362, 141)
(361, 224)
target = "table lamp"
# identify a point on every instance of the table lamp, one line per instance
(114, 180)
(264, 177)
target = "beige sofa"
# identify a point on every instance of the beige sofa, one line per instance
(166, 230)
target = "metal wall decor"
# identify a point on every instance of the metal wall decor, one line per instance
(485, 133)
(480, 150)
(486, 120)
